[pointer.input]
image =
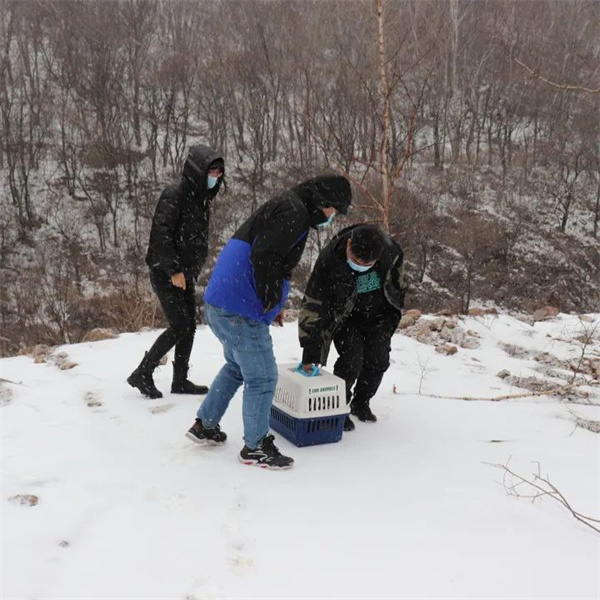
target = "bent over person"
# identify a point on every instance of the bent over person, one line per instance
(246, 293)
(354, 298)
(177, 250)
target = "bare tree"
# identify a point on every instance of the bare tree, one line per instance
(538, 487)
(25, 98)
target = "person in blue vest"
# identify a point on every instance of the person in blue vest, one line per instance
(245, 294)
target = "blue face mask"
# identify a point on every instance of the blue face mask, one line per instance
(359, 268)
(328, 222)
(211, 182)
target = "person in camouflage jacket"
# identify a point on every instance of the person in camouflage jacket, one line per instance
(354, 298)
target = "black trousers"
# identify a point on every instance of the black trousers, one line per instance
(364, 358)
(179, 307)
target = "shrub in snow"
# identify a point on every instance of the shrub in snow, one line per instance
(515, 351)
(100, 333)
(441, 332)
(62, 361)
(39, 353)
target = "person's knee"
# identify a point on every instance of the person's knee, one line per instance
(377, 363)
(183, 328)
(273, 376)
(233, 372)
(348, 366)
(270, 376)
(180, 330)
(263, 378)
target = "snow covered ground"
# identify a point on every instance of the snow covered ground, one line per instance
(404, 508)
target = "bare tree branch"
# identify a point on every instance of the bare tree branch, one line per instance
(548, 392)
(560, 86)
(340, 167)
(586, 338)
(540, 488)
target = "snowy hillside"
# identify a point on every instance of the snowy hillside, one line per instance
(406, 508)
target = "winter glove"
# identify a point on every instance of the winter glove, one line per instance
(315, 370)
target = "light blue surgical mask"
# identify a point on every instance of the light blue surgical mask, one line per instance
(359, 268)
(328, 222)
(211, 182)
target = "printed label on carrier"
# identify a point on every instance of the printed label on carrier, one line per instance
(331, 388)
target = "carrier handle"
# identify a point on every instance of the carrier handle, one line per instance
(314, 372)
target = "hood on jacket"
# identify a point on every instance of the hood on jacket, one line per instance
(325, 191)
(199, 159)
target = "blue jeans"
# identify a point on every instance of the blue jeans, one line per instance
(248, 351)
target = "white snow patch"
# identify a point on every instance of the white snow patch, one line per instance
(405, 508)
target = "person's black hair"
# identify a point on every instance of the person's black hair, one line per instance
(367, 242)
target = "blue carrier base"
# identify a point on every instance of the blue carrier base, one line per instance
(307, 432)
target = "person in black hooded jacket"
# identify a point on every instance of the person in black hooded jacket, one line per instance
(354, 298)
(177, 250)
(246, 293)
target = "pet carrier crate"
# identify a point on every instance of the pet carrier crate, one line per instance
(309, 410)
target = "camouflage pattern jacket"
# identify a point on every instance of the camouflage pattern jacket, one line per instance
(331, 295)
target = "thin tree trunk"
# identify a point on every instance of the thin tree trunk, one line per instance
(379, 5)
(597, 209)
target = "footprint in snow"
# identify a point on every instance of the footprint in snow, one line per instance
(239, 547)
(168, 501)
(203, 589)
(92, 399)
(155, 410)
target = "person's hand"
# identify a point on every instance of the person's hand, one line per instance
(279, 319)
(178, 280)
(309, 369)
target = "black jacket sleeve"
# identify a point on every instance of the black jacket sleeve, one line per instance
(315, 317)
(283, 228)
(395, 282)
(394, 290)
(163, 247)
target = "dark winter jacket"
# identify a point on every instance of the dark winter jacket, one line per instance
(179, 234)
(331, 296)
(251, 276)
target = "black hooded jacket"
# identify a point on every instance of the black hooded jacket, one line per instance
(179, 234)
(277, 231)
(331, 295)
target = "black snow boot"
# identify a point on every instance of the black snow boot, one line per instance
(349, 424)
(141, 378)
(362, 412)
(182, 385)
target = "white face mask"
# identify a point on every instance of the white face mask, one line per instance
(211, 182)
(356, 267)
(328, 222)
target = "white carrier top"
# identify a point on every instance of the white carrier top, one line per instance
(308, 397)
